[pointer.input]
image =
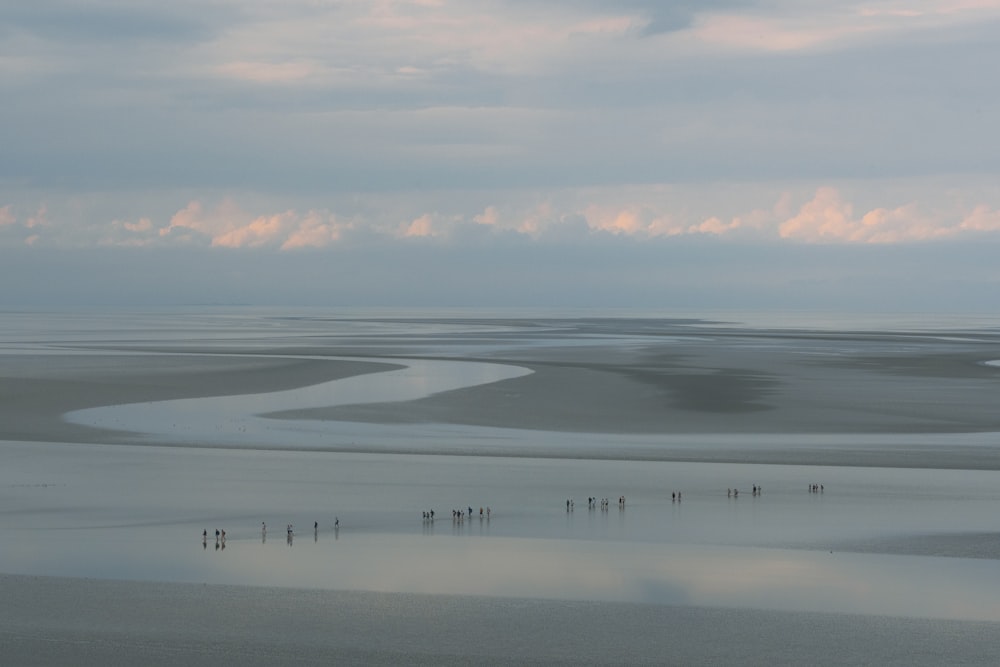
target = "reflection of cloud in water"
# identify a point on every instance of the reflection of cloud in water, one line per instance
(138, 513)
(849, 583)
(686, 575)
(648, 573)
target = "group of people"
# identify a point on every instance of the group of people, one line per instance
(460, 515)
(734, 493)
(290, 528)
(220, 535)
(598, 503)
(220, 539)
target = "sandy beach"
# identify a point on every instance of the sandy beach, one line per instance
(104, 508)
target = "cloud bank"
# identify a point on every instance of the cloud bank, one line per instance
(608, 134)
(827, 217)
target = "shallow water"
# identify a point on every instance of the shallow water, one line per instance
(236, 419)
(249, 421)
(907, 542)
(138, 513)
(87, 622)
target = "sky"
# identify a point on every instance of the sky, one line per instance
(750, 154)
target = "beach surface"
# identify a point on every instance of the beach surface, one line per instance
(319, 444)
(47, 621)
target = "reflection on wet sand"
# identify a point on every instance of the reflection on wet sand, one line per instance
(646, 395)
(650, 559)
(693, 575)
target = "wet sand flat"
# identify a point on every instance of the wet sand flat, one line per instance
(895, 562)
(728, 383)
(37, 389)
(47, 621)
(614, 378)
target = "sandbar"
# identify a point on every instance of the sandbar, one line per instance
(828, 398)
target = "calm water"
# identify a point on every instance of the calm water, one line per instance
(861, 546)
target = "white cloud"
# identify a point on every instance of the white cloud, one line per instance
(229, 226)
(490, 217)
(144, 225)
(193, 221)
(123, 233)
(715, 226)
(6, 216)
(268, 230)
(642, 213)
(801, 26)
(422, 226)
(982, 219)
(39, 219)
(828, 218)
(316, 229)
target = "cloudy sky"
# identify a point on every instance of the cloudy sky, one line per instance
(673, 155)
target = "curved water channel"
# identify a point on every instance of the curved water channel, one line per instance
(238, 419)
(247, 421)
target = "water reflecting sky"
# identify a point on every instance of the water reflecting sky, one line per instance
(138, 513)
(235, 419)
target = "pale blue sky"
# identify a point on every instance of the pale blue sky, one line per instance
(458, 152)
